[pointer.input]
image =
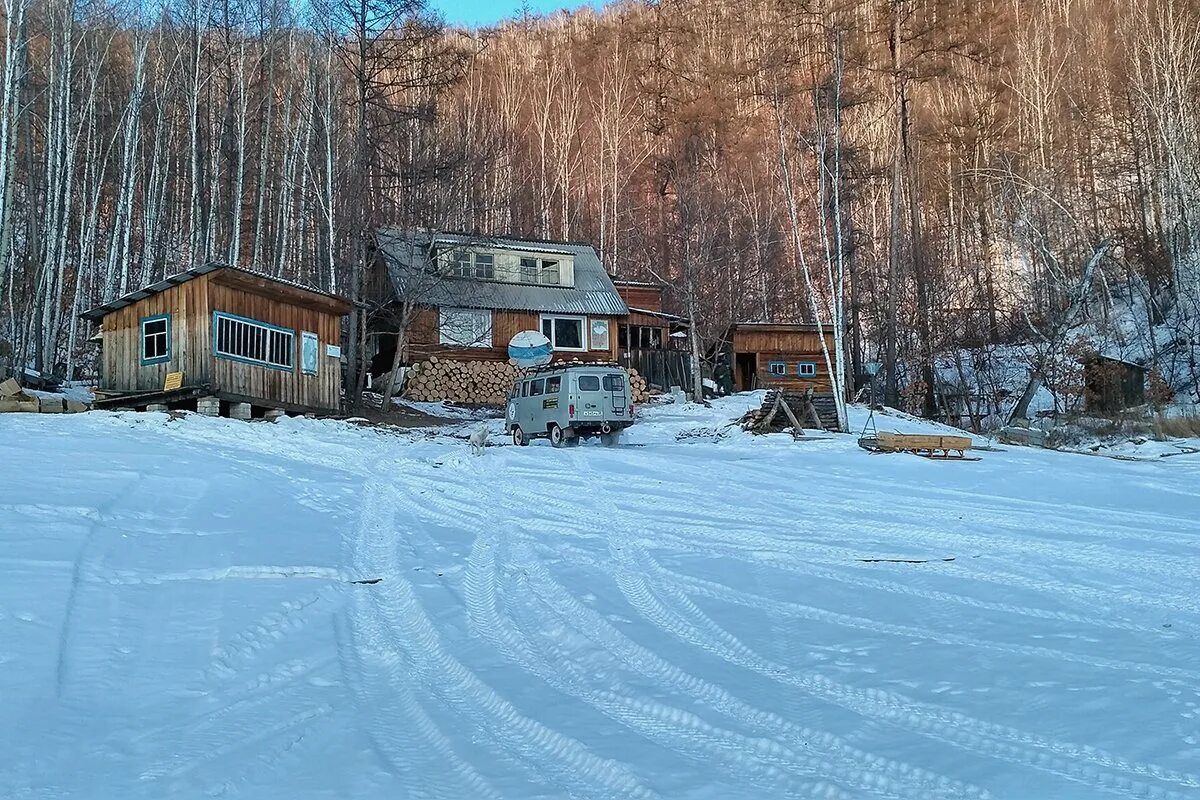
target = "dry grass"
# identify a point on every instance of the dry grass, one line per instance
(1183, 426)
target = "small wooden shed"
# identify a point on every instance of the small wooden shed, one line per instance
(229, 340)
(1113, 384)
(778, 355)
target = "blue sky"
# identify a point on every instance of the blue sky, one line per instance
(488, 12)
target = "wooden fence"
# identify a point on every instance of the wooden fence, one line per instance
(662, 369)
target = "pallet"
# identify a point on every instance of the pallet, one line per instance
(953, 448)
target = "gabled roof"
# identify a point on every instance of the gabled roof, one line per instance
(101, 311)
(407, 257)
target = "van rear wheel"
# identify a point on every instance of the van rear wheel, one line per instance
(519, 437)
(557, 437)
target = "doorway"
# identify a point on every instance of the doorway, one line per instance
(746, 370)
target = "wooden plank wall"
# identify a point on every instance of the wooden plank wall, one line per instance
(321, 391)
(423, 338)
(121, 360)
(790, 347)
(649, 298)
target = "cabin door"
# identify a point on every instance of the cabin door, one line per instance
(309, 344)
(747, 367)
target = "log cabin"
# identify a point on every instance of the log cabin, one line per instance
(231, 341)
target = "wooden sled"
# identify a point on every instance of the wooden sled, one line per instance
(941, 448)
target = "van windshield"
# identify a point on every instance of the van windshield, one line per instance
(589, 383)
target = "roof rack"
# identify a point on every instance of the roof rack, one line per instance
(573, 363)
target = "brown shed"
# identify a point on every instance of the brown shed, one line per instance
(238, 337)
(779, 355)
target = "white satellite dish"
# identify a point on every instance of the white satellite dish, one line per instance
(529, 349)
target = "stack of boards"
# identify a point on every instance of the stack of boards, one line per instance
(14, 399)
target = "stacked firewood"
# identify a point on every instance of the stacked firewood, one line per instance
(481, 382)
(468, 382)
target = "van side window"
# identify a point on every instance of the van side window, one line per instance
(614, 383)
(535, 387)
(553, 384)
(589, 383)
(525, 389)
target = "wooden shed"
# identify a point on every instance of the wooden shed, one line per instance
(1113, 384)
(219, 338)
(778, 355)
(785, 357)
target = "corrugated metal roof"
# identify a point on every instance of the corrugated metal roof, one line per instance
(101, 311)
(407, 256)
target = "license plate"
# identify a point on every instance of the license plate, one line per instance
(591, 413)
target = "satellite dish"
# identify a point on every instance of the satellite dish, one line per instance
(529, 349)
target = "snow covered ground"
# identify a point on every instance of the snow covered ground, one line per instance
(698, 614)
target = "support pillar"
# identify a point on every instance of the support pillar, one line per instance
(157, 407)
(273, 414)
(209, 406)
(239, 411)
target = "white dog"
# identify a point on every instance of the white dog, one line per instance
(478, 440)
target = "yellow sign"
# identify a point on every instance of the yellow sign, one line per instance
(173, 382)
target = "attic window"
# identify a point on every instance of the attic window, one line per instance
(465, 264)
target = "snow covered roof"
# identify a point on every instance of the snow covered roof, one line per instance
(407, 257)
(101, 311)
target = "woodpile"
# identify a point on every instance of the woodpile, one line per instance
(14, 399)
(782, 410)
(481, 382)
(468, 382)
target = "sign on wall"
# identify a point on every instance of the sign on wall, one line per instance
(333, 350)
(599, 334)
(308, 352)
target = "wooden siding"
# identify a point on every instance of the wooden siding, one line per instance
(285, 387)
(423, 340)
(790, 344)
(648, 298)
(121, 367)
(191, 305)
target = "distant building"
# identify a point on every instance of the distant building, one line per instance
(232, 340)
(783, 356)
(1113, 384)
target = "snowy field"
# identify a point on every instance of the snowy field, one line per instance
(696, 614)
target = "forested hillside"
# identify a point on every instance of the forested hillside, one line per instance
(939, 180)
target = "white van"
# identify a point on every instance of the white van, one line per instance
(568, 403)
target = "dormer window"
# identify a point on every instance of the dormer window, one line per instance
(465, 264)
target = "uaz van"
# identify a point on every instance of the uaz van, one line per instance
(567, 404)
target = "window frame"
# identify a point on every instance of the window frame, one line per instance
(580, 378)
(782, 373)
(810, 364)
(482, 342)
(537, 387)
(584, 331)
(163, 359)
(291, 333)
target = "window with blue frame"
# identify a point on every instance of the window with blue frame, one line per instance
(254, 342)
(806, 369)
(156, 339)
(777, 369)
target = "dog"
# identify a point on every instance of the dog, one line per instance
(478, 440)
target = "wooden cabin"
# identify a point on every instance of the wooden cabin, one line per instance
(217, 338)
(475, 293)
(778, 355)
(785, 357)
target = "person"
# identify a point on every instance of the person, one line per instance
(723, 375)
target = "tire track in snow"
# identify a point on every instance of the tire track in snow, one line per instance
(688, 623)
(833, 757)
(390, 624)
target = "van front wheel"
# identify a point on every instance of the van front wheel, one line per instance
(519, 437)
(557, 437)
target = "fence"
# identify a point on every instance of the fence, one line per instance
(662, 369)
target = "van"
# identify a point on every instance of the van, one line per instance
(568, 404)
